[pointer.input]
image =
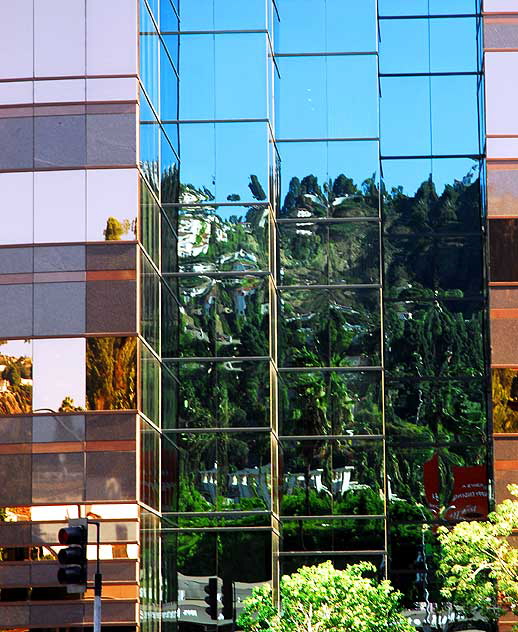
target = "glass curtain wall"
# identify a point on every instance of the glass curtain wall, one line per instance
(331, 428)
(435, 303)
(221, 515)
(159, 186)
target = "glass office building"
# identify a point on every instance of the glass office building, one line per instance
(248, 318)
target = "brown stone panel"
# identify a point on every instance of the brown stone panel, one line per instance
(49, 614)
(111, 256)
(112, 426)
(504, 342)
(111, 306)
(15, 479)
(14, 615)
(14, 574)
(111, 476)
(503, 298)
(501, 32)
(114, 612)
(15, 534)
(502, 188)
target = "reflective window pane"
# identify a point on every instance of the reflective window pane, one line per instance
(449, 483)
(224, 316)
(437, 45)
(149, 303)
(505, 400)
(455, 115)
(150, 385)
(421, 266)
(47, 429)
(329, 328)
(432, 195)
(311, 103)
(224, 471)
(428, 411)
(503, 258)
(110, 475)
(335, 403)
(333, 535)
(232, 69)
(59, 373)
(57, 477)
(326, 26)
(332, 179)
(405, 116)
(149, 144)
(223, 238)
(111, 373)
(149, 46)
(440, 337)
(329, 253)
(16, 377)
(223, 395)
(208, 15)
(235, 165)
(341, 477)
(149, 465)
(425, 7)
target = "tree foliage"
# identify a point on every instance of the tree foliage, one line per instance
(320, 598)
(479, 565)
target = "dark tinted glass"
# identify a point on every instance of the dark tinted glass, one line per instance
(322, 477)
(449, 483)
(224, 316)
(335, 403)
(428, 411)
(323, 327)
(224, 471)
(333, 535)
(224, 395)
(425, 267)
(441, 338)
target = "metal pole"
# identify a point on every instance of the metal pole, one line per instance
(98, 581)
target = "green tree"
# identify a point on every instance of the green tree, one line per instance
(321, 598)
(479, 565)
(115, 229)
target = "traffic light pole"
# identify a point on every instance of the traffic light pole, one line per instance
(98, 580)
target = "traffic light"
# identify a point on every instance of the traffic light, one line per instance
(212, 598)
(227, 597)
(73, 558)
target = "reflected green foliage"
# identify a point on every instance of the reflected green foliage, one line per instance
(323, 598)
(329, 328)
(338, 198)
(345, 252)
(335, 535)
(224, 317)
(330, 403)
(111, 365)
(239, 395)
(16, 384)
(340, 477)
(428, 411)
(224, 472)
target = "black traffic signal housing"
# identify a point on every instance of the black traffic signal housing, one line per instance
(227, 598)
(211, 599)
(73, 571)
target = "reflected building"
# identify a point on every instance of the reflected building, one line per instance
(246, 308)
